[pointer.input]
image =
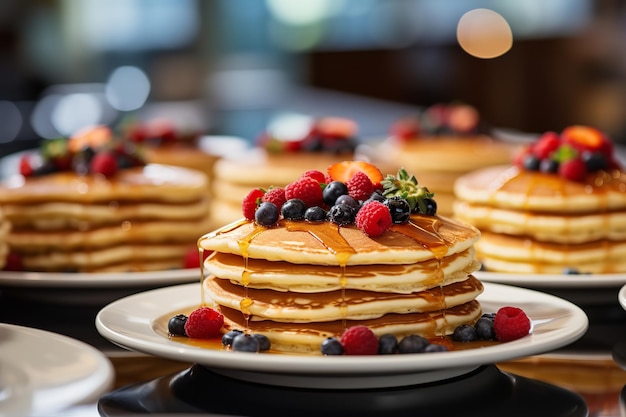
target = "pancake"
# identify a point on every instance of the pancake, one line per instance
(542, 222)
(293, 307)
(141, 218)
(5, 228)
(303, 278)
(324, 243)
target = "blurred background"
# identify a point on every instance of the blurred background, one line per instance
(230, 66)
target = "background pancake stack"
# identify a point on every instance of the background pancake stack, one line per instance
(562, 208)
(438, 145)
(5, 227)
(277, 159)
(299, 282)
(102, 210)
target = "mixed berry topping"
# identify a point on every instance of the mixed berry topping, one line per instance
(93, 151)
(455, 119)
(573, 154)
(351, 193)
(334, 135)
(156, 132)
(507, 324)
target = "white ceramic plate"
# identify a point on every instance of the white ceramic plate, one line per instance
(621, 297)
(565, 281)
(132, 323)
(43, 372)
(98, 280)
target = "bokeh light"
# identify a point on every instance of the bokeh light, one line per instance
(484, 33)
(76, 111)
(128, 88)
(10, 121)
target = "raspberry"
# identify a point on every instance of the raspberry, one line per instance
(204, 323)
(318, 176)
(275, 195)
(26, 169)
(373, 218)
(192, 258)
(306, 189)
(104, 163)
(250, 203)
(360, 186)
(13, 262)
(573, 170)
(548, 143)
(359, 340)
(510, 323)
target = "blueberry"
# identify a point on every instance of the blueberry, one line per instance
(245, 343)
(549, 165)
(484, 329)
(333, 190)
(399, 209)
(266, 214)
(412, 344)
(435, 347)
(346, 199)
(431, 207)
(332, 346)
(227, 338)
(464, 333)
(315, 214)
(176, 325)
(387, 344)
(342, 214)
(594, 161)
(376, 196)
(293, 209)
(571, 271)
(531, 163)
(264, 342)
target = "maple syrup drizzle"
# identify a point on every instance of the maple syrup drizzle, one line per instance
(244, 244)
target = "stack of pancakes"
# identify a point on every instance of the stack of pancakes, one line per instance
(534, 222)
(141, 218)
(299, 282)
(235, 176)
(5, 227)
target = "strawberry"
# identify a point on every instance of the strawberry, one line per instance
(275, 195)
(510, 323)
(204, 323)
(343, 171)
(583, 138)
(373, 218)
(250, 203)
(359, 340)
(360, 187)
(336, 127)
(306, 189)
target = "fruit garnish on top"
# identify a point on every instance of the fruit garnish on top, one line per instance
(156, 132)
(334, 135)
(456, 119)
(350, 193)
(573, 154)
(94, 150)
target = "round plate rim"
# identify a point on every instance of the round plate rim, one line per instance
(181, 296)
